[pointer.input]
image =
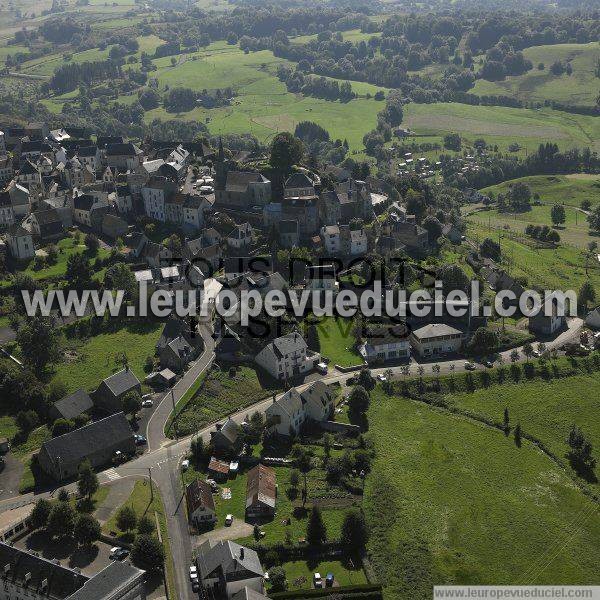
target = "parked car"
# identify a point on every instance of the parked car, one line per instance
(118, 553)
(195, 586)
(487, 363)
(140, 440)
(317, 581)
(329, 580)
(185, 465)
(213, 485)
(228, 520)
(147, 403)
(382, 377)
(193, 573)
(470, 366)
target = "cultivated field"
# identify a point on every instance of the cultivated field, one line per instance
(579, 88)
(443, 486)
(503, 126)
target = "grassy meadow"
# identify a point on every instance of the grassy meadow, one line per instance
(579, 88)
(571, 190)
(558, 268)
(545, 409)
(336, 340)
(87, 362)
(443, 486)
(503, 126)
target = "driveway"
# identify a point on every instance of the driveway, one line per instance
(238, 529)
(10, 476)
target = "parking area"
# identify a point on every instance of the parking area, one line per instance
(89, 560)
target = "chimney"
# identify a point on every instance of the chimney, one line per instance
(242, 553)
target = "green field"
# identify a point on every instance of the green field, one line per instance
(571, 190)
(87, 362)
(579, 88)
(574, 231)
(545, 409)
(451, 501)
(262, 106)
(46, 65)
(503, 126)
(558, 268)
(335, 337)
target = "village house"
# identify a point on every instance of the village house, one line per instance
(7, 214)
(30, 177)
(218, 469)
(46, 224)
(204, 251)
(20, 198)
(386, 343)
(200, 504)
(225, 438)
(6, 169)
(155, 195)
(71, 406)
(436, 339)
(288, 234)
(549, 321)
(125, 156)
(261, 493)
(20, 243)
(110, 392)
(90, 156)
(287, 357)
(82, 209)
(97, 442)
(243, 191)
(353, 242)
(286, 415)
(240, 237)
(226, 568)
(330, 234)
(113, 226)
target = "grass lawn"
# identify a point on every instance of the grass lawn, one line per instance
(560, 268)
(335, 337)
(93, 359)
(575, 231)
(299, 573)
(218, 395)
(145, 503)
(571, 190)
(503, 126)
(545, 409)
(450, 501)
(579, 88)
(66, 247)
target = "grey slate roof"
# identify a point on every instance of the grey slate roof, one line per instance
(298, 180)
(83, 202)
(230, 430)
(61, 582)
(435, 330)
(248, 594)
(82, 442)
(238, 181)
(116, 576)
(227, 555)
(287, 343)
(75, 404)
(122, 382)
